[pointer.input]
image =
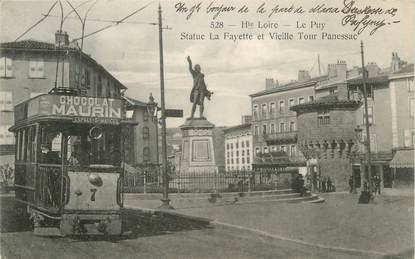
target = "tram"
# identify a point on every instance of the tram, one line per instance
(68, 173)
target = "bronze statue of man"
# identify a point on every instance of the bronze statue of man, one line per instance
(199, 90)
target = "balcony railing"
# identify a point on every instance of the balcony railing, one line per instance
(281, 137)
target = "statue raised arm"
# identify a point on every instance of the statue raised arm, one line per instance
(199, 90)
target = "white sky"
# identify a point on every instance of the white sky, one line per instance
(232, 70)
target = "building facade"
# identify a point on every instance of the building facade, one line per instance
(238, 148)
(320, 122)
(143, 142)
(332, 128)
(391, 122)
(274, 125)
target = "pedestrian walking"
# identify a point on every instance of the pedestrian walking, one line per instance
(377, 182)
(351, 183)
(329, 184)
(323, 184)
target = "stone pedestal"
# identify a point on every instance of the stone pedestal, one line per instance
(198, 155)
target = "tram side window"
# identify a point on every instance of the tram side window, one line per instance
(22, 139)
(28, 144)
(31, 144)
(18, 143)
(23, 145)
(50, 147)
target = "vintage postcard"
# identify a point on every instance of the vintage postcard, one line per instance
(207, 129)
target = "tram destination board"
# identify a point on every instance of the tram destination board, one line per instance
(95, 120)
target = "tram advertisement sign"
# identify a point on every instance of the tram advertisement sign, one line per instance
(81, 109)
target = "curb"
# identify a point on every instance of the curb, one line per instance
(158, 196)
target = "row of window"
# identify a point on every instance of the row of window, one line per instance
(243, 161)
(37, 70)
(273, 128)
(291, 150)
(230, 154)
(266, 111)
(241, 143)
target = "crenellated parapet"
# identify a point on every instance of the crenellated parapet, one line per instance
(328, 149)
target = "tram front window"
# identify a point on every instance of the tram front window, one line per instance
(79, 147)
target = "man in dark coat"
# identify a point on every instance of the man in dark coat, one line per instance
(199, 90)
(351, 184)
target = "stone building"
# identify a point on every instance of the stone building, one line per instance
(327, 135)
(331, 128)
(274, 125)
(238, 147)
(143, 142)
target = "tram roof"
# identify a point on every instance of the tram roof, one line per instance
(69, 108)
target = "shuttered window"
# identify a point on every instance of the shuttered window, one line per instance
(36, 68)
(6, 67)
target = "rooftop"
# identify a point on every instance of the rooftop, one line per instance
(238, 127)
(382, 78)
(36, 45)
(30, 44)
(291, 86)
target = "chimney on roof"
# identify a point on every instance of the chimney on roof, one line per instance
(396, 62)
(246, 119)
(372, 69)
(61, 39)
(331, 71)
(303, 75)
(341, 68)
(269, 83)
(338, 70)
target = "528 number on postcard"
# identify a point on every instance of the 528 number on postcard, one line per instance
(216, 25)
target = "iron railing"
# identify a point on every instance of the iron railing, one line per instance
(194, 182)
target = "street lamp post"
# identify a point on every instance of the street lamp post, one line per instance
(369, 164)
(165, 200)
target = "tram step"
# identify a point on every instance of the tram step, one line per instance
(47, 231)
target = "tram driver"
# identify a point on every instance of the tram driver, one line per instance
(47, 156)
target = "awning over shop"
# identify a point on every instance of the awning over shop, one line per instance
(403, 159)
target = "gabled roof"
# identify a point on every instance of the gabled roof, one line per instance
(35, 45)
(291, 86)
